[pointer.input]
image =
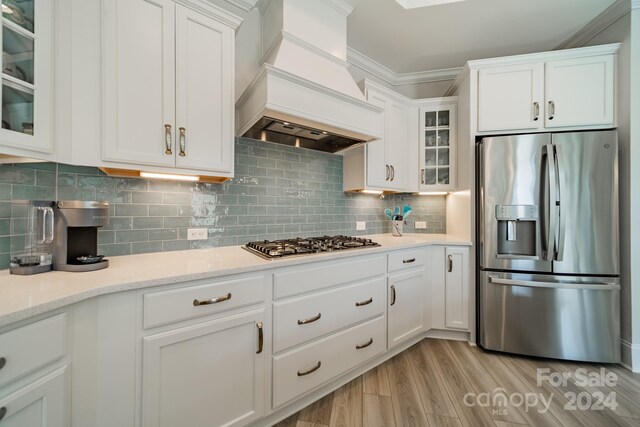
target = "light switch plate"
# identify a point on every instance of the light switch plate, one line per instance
(421, 224)
(361, 225)
(197, 234)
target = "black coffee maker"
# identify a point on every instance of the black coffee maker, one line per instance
(76, 231)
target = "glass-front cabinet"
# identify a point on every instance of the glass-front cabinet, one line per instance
(438, 145)
(26, 77)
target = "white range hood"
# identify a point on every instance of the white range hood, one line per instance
(303, 94)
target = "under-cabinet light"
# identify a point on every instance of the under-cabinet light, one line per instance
(432, 193)
(169, 176)
(377, 192)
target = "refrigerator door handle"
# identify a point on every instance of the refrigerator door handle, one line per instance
(562, 218)
(532, 284)
(550, 208)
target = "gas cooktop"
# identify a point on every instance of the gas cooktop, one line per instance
(271, 249)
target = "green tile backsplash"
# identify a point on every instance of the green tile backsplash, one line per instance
(278, 192)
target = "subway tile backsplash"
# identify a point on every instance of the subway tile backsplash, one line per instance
(278, 192)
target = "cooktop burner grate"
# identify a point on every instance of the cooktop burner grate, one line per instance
(271, 249)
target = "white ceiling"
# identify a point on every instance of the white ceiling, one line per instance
(447, 35)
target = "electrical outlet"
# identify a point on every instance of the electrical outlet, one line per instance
(197, 234)
(361, 225)
(421, 224)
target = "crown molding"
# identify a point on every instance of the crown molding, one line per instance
(215, 12)
(245, 5)
(357, 59)
(340, 5)
(614, 12)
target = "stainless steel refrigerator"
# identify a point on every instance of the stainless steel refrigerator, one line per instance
(548, 260)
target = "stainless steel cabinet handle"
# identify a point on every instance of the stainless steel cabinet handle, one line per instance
(536, 111)
(167, 140)
(360, 347)
(450, 262)
(310, 371)
(183, 142)
(388, 172)
(393, 172)
(408, 261)
(422, 176)
(552, 110)
(3, 412)
(551, 208)
(198, 302)
(260, 337)
(393, 294)
(3, 361)
(562, 218)
(310, 319)
(367, 302)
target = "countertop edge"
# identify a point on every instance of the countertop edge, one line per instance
(21, 314)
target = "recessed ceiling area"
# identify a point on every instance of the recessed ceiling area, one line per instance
(412, 4)
(447, 35)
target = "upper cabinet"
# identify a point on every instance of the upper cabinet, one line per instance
(168, 87)
(27, 79)
(437, 144)
(562, 90)
(384, 164)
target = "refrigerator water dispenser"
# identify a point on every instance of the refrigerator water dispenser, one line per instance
(517, 231)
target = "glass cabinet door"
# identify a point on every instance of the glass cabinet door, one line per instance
(26, 73)
(437, 130)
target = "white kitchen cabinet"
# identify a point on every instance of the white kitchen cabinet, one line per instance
(438, 144)
(27, 79)
(457, 288)
(580, 91)
(383, 164)
(168, 86)
(405, 306)
(212, 373)
(510, 97)
(447, 302)
(535, 93)
(39, 404)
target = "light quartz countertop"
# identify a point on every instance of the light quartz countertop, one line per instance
(22, 297)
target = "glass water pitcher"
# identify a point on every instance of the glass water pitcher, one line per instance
(32, 236)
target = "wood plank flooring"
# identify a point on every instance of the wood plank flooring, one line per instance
(449, 383)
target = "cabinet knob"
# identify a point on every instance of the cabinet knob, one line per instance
(365, 345)
(3, 361)
(552, 109)
(450, 263)
(393, 295)
(197, 302)
(167, 140)
(367, 302)
(183, 142)
(3, 412)
(310, 319)
(260, 337)
(393, 172)
(310, 371)
(536, 111)
(388, 173)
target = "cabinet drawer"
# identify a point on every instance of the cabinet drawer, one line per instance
(326, 275)
(30, 347)
(295, 373)
(405, 260)
(334, 309)
(185, 303)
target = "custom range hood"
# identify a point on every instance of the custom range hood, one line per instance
(303, 94)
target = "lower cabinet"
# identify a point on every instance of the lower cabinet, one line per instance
(457, 288)
(39, 404)
(448, 278)
(406, 306)
(209, 374)
(303, 369)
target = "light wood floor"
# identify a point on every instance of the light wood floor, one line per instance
(426, 386)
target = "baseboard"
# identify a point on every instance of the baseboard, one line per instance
(447, 335)
(630, 355)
